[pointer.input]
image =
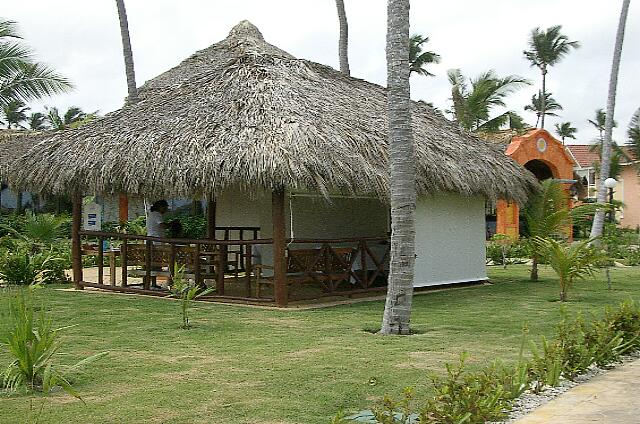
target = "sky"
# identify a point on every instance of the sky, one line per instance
(81, 40)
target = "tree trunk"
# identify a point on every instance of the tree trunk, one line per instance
(605, 163)
(132, 90)
(343, 43)
(534, 268)
(543, 100)
(397, 311)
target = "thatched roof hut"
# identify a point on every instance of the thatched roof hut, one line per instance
(13, 144)
(244, 114)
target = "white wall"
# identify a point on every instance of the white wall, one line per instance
(450, 240)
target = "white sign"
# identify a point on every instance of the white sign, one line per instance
(92, 217)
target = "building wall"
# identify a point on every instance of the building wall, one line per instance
(628, 191)
(450, 240)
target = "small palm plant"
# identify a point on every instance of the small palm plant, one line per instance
(187, 291)
(33, 343)
(570, 261)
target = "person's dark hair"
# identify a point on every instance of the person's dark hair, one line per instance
(159, 204)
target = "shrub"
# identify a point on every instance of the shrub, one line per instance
(18, 268)
(32, 342)
(193, 226)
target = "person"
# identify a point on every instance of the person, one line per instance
(155, 219)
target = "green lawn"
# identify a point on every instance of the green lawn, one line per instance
(248, 365)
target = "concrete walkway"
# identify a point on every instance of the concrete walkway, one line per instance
(611, 398)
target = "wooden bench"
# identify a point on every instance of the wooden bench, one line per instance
(326, 267)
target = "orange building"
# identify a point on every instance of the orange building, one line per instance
(545, 157)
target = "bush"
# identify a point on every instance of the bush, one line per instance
(18, 268)
(513, 252)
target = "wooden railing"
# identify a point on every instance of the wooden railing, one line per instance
(331, 266)
(152, 257)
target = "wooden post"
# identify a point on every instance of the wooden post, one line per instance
(76, 246)
(100, 260)
(211, 219)
(148, 260)
(279, 247)
(123, 208)
(123, 262)
(247, 266)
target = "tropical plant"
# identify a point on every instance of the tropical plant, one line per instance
(37, 121)
(547, 106)
(618, 157)
(17, 268)
(186, 291)
(343, 42)
(14, 113)
(418, 59)
(71, 118)
(39, 230)
(397, 309)
(547, 48)
(473, 104)
(21, 77)
(547, 215)
(598, 219)
(33, 344)
(569, 261)
(599, 122)
(127, 54)
(565, 130)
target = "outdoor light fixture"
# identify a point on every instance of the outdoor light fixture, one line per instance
(610, 183)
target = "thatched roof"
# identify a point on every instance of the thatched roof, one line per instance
(13, 144)
(243, 113)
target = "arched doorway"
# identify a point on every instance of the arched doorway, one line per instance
(545, 157)
(541, 170)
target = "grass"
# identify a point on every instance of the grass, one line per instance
(247, 365)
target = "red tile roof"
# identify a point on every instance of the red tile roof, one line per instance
(583, 155)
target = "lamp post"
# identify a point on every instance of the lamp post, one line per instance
(611, 183)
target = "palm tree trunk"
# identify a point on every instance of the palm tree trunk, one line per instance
(605, 164)
(543, 100)
(343, 43)
(397, 311)
(127, 53)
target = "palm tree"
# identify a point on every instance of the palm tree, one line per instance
(37, 121)
(472, 105)
(565, 130)
(397, 310)
(598, 219)
(546, 214)
(72, 116)
(547, 48)
(599, 122)
(543, 105)
(14, 113)
(570, 261)
(127, 54)
(21, 78)
(418, 59)
(343, 43)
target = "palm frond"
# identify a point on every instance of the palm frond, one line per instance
(33, 81)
